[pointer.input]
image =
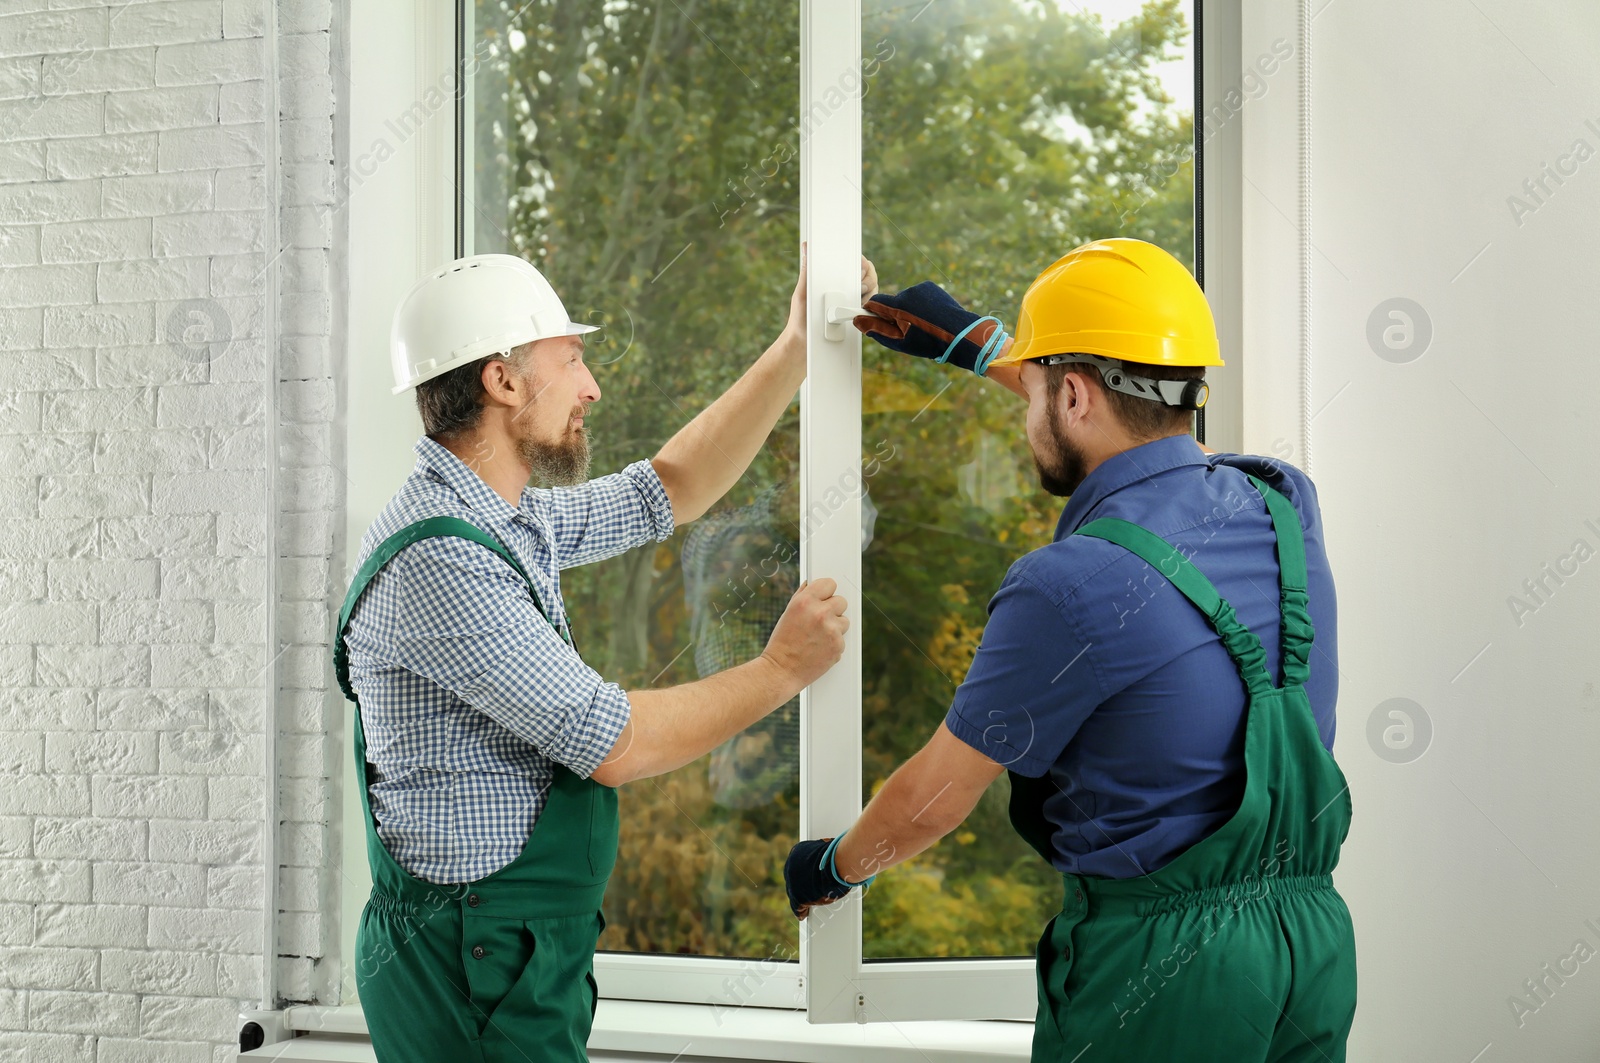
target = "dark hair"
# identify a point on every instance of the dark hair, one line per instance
(452, 403)
(1145, 419)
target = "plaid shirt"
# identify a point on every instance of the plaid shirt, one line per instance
(468, 695)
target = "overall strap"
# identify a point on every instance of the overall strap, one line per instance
(1241, 643)
(432, 527)
(1294, 628)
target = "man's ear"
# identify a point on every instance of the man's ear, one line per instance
(1069, 397)
(503, 386)
(1076, 395)
(496, 379)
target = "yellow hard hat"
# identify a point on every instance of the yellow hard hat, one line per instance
(1117, 298)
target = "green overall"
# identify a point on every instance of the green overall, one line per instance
(501, 969)
(1240, 950)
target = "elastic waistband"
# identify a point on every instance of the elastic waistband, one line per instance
(1144, 897)
(510, 899)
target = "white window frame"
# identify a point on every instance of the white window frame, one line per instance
(408, 207)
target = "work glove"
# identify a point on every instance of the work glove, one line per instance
(924, 322)
(810, 878)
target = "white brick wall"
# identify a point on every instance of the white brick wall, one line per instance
(134, 213)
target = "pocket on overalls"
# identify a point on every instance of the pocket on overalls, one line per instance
(1055, 958)
(496, 954)
(603, 826)
(1043, 958)
(594, 987)
(551, 1001)
(592, 846)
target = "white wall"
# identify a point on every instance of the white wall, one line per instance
(135, 151)
(132, 178)
(1447, 481)
(399, 207)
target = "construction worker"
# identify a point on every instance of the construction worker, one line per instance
(488, 749)
(1148, 682)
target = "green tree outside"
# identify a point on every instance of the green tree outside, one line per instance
(646, 158)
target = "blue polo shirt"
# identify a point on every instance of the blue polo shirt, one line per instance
(1094, 669)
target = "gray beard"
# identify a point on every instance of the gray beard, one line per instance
(558, 464)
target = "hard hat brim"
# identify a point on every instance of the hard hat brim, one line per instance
(500, 344)
(1109, 346)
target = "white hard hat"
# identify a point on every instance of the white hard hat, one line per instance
(469, 309)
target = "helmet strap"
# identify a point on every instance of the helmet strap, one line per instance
(1184, 394)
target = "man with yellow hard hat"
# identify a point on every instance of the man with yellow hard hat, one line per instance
(1147, 681)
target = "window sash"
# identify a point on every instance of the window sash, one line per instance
(830, 459)
(831, 978)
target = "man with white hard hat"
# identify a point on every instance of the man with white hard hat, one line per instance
(488, 749)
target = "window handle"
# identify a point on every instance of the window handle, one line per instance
(838, 311)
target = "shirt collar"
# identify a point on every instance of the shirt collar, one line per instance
(433, 457)
(1132, 466)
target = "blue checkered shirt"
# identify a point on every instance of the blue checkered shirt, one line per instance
(468, 695)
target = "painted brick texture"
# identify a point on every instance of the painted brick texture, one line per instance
(135, 238)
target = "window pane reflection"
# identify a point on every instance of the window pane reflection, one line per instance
(997, 135)
(646, 158)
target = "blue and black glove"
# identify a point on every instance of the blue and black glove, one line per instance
(811, 879)
(924, 322)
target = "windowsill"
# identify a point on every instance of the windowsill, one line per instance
(699, 1031)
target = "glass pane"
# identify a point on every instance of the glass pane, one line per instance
(646, 158)
(999, 134)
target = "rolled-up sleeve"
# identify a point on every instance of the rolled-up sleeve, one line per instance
(607, 515)
(468, 622)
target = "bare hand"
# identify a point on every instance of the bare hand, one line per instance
(797, 302)
(809, 638)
